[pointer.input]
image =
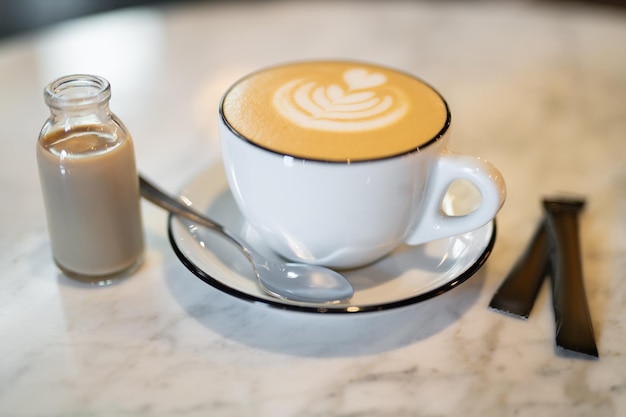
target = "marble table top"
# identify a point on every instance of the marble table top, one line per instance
(537, 88)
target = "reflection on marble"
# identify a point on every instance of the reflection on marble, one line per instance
(539, 89)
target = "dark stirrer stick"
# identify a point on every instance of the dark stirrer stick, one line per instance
(574, 329)
(518, 292)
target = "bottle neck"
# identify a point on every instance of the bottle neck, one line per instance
(100, 112)
(78, 95)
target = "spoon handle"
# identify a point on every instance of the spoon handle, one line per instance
(322, 285)
(151, 193)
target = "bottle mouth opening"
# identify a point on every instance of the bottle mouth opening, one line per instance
(77, 90)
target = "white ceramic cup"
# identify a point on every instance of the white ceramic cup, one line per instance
(346, 214)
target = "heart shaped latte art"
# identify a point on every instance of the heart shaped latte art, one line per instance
(352, 103)
(360, 78)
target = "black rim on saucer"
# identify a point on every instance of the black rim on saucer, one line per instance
(330, 308)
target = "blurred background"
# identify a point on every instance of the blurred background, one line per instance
(17, 16)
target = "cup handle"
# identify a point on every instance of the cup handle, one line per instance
(433, 223)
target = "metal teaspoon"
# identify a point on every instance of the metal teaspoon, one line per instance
(290, 281)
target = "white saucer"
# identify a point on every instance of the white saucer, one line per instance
(407, 276)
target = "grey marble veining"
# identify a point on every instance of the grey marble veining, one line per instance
(538, 89)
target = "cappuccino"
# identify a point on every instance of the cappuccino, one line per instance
(337, 111)
(290, 135)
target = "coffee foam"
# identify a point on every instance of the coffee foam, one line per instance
(335, 111)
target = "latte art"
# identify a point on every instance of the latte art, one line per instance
(354, 105)
(335, 111)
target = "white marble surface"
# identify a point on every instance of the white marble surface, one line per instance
(539, 90)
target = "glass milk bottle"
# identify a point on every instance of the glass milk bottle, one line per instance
(89, 182)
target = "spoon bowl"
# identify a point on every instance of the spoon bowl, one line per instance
(289, 281)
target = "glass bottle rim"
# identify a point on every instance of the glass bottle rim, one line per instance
(76, 91)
